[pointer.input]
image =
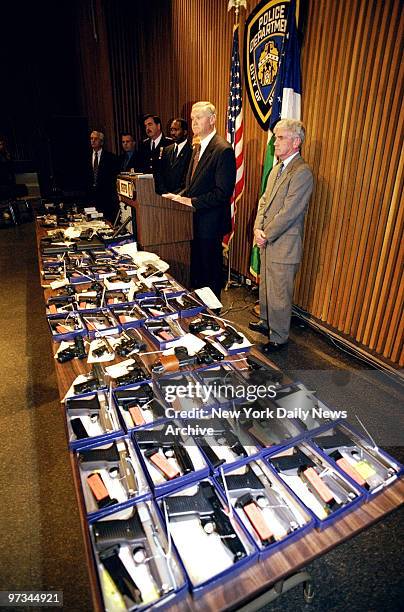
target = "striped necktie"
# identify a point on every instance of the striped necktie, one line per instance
(196, 159)
(280, 170)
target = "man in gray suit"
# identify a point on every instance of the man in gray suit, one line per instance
(278, 231)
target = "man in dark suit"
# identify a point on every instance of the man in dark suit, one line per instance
(209, 186)
(151, 149)
(171, 174)
(128, 159)
(278, 231)
(102, 177)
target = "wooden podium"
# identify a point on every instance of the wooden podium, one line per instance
(160, 225)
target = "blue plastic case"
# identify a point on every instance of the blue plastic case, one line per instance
(364, 453)
(111, 471)
(161, 561)
(256, 472)
(316, 506)
(92, 419)
(169, 431)
(198, 587)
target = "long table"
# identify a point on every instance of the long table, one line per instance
(259, 578)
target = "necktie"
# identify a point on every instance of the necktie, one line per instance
(281, 167)
(196, 158)
(153, 146)
(95, 167)
(175, 151)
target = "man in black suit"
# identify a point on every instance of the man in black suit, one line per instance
(209, 186)
(151, 149)
(128, 159)
(171, 174)
(102, 177)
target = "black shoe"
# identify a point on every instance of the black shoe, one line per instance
(273, 347)
(259, 326)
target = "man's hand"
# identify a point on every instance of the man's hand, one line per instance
(170, 196)
(260, 238)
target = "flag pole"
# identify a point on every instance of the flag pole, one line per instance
(236, 4)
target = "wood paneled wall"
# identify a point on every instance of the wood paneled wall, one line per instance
(351, 275)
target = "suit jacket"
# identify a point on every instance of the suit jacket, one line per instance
(125, 165)
(170, 176)
(147, 161)
(104, 191)
(282, 208)
(211, 188)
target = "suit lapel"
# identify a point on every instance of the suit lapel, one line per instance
(277, 183)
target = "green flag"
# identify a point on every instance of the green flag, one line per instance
(268, 165)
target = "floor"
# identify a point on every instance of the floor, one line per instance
(41, 542)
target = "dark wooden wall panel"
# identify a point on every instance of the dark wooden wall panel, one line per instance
(351, 274)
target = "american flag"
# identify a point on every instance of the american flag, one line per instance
(234, 132)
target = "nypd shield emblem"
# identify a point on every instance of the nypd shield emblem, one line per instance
(263, 39)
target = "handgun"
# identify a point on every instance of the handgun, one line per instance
(230, 337)
(160, 329)
(209, 354)
(90, 406)
(141, 289)
(138, 399)
(249, 489)
(60, 300)
(363, 465)
(206, 506)
(259, 373)
(330, 493)
(140, 534)
(103, 347)
(222, 436)
(170, 363)
(269, 432)
(65, 324)
(223, 381)
(151, 270)
(136, 373)
(71, 352)
(184, 302)
(130, 343)
(95, 380)
(127, 314)
(155, 307)
(116, 459)
(97, 322)
(152, 440)
(95, 406)
(203, 324)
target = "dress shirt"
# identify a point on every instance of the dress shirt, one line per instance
(288, 160)
(205, 141)
(98, 153)
(156, 142)
(178, 147)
